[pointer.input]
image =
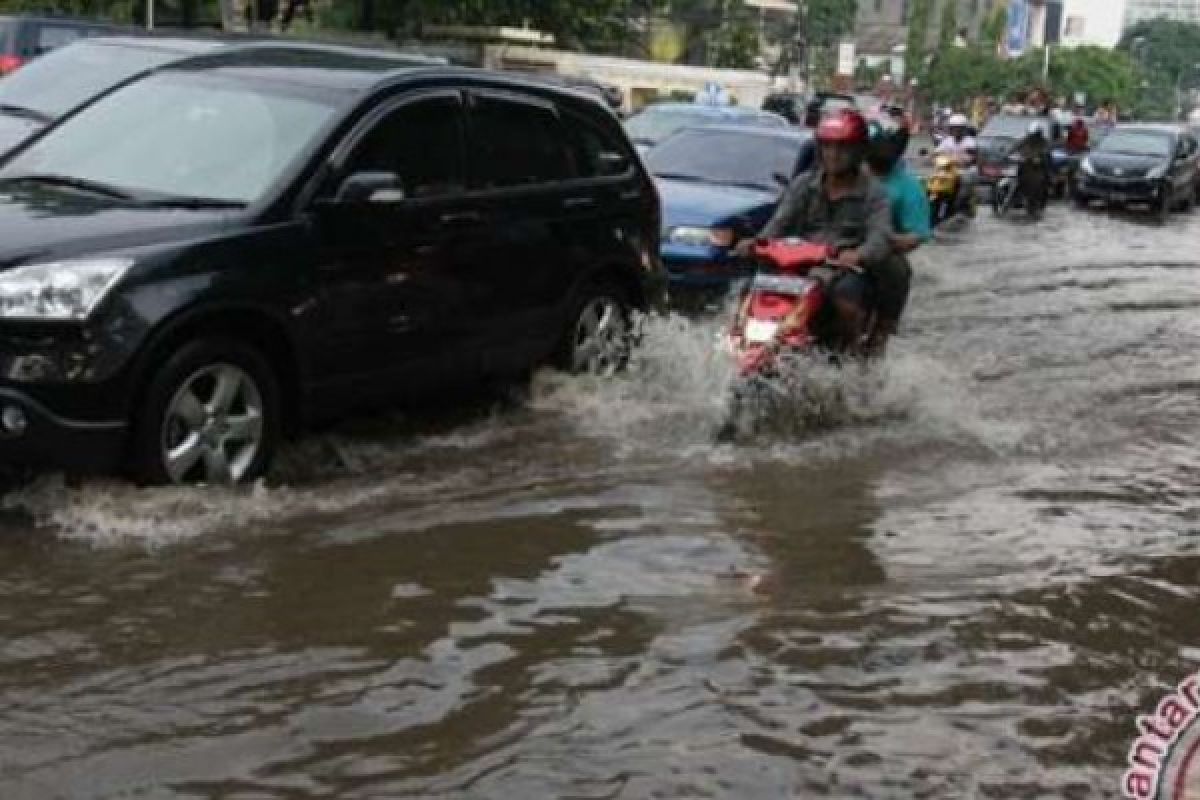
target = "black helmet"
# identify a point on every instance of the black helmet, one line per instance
(887, 141)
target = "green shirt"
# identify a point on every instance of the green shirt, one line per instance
(910, 206)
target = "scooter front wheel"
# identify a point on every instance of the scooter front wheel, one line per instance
(1001, 199)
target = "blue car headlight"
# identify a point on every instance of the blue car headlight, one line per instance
(694, 236)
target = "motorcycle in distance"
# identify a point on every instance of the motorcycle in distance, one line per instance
(1021, 184)
(943, 189)
(791, 275)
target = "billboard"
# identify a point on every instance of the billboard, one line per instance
(1016, 38)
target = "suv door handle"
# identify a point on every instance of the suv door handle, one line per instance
(578, 202)
(461, 219)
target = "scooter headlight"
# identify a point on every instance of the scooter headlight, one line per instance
(1087, 167)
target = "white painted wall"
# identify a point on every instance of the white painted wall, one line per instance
(1102, 22)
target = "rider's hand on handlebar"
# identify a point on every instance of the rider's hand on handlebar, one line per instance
(744, 248)
(849, 259)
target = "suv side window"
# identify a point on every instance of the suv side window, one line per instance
(420, 141)
(516, 142)
(595, 151)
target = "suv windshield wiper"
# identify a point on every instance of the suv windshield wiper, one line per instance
(27, 113)
(192, 203)
(758, 187)
(71, 182)
(679, 176)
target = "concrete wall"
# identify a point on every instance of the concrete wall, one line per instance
(639, 80)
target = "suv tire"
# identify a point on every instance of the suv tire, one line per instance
(211, 415)
(599, 334)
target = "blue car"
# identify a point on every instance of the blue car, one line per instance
(718, 185)
(658, 122)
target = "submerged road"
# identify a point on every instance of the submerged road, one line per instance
(963, 578)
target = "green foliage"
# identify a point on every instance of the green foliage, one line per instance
(1165, 47)
(992, 30)
(960, 74)
(830, 20)
(949, 27)
(867, 78)
(107, 9)
(1168, 54)
(919, 12)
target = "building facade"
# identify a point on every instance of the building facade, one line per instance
(882, 25)
(1181, 10)
(1086, 22)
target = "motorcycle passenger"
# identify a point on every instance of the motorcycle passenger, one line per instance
(961, 146)
(888, 141)
(839, 204)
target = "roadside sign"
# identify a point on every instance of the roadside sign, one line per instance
(1017, 37)
(846, 60)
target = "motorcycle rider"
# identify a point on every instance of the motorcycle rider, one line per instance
(1077, 136)
(962, 147)
(888, 141)
(1036, 166)
(840, 204)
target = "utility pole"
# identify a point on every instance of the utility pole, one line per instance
(149, 15)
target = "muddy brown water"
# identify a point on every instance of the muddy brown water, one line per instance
(962, 579)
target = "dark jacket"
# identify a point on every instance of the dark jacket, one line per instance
(861, 219)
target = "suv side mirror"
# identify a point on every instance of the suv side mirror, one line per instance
(371, 187)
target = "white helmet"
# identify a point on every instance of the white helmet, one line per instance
(958, 121)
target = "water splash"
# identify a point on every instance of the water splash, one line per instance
(677, 393)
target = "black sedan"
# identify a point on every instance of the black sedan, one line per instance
(1151, 165)
(230, 247)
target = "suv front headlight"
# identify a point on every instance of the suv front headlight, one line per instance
(61, 290)
(1087, 167)
(1158, 173)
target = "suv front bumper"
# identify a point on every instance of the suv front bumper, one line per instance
(32, 435)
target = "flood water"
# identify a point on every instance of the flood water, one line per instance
(962, 578)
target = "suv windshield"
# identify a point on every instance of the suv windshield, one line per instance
(727, 158)
(92, 67)
(182, 135)
(1136, 143)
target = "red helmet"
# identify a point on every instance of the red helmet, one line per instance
(844, 126)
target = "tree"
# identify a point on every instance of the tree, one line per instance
(919, 12)
(1164, 47)
(949, 27)
(991, 33)
(1168, 54)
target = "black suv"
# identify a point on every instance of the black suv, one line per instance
(227, 249)
(24, 38)
(1153, 165)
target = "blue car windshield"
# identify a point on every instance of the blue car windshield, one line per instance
(727, 158)
(655, 124)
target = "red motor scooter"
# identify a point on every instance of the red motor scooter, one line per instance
(791, 281)
(790, 288)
